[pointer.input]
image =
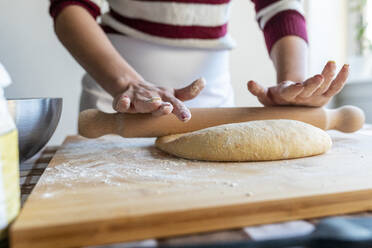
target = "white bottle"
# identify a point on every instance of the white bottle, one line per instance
(9, 162)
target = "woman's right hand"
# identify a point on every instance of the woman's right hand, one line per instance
(144, 97)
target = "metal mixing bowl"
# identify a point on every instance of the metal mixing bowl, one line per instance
(36, 120)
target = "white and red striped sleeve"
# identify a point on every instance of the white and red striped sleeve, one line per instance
(92, 6)
(279, 18)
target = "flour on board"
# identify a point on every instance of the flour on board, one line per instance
(127, 163)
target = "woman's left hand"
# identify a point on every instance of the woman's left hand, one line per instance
(314, 92)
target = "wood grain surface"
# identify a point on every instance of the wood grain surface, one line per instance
(114, 189)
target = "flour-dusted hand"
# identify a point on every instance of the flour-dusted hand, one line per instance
(144, 97)
(314, 92)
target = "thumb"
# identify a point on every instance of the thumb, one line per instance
(121, 103)
(190, 91)
(260, 92)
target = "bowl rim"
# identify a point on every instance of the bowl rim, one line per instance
(34, 98)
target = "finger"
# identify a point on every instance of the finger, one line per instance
(289, 92)
(260, 92)
(328, 73)
(179, 108)
(190, 91)
(164, 109)
(311, 85)
(121, 103)
(338, 83)
(144, 104)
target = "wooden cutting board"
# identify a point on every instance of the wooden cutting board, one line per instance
(113, 189)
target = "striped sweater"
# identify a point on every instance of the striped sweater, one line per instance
(190, 23)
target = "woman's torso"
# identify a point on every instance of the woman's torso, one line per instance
(171, 43)
(173, 67)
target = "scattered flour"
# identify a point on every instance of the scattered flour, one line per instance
(249, 194)
(114, 161)
(47, 195)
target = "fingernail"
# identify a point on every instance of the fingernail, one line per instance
(185, 117)
(332, 61)
(194, 89)
(117, 106)
(203, 82)
(124, 98)
(347, 66)
(166, 105)
(319, 77)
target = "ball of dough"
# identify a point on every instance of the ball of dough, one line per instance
(249, 141)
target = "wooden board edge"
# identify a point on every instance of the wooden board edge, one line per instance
(191, 221)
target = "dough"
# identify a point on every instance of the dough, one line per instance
(249, 141)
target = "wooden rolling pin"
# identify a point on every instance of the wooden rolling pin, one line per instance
(93, 123)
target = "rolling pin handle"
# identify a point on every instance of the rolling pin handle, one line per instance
(94, 123)
(347, 119)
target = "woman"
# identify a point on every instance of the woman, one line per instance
(140, 57)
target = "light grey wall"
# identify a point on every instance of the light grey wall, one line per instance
(37, 63)
(327, 23)
(250, 59)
